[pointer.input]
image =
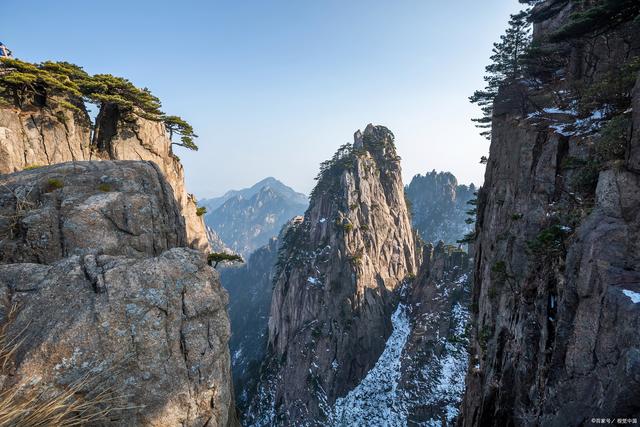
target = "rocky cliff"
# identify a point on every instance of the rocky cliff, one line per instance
(439, 206)
(557, 269)
(338, 272)
(35, 136)
(419, 377)
(99, 296)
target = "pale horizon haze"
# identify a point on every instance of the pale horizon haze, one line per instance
(274, 88)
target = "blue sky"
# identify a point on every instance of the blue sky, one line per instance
(274, 87)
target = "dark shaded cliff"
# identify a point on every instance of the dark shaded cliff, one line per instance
(250, 287)
(557, 267)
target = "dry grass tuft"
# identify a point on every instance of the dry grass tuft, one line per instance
(22, 206)
(32, 404)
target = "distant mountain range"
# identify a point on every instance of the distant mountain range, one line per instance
(247, 219)
(246, 193)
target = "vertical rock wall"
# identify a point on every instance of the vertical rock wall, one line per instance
(334, 294)
(556, 299)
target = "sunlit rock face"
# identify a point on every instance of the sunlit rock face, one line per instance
(98, 287)
(338, 274)
(33, 137)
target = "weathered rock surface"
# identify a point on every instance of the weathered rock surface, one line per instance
(103, 292)
(557, 270)
(156, 328)
(114, 208)
(335, 289)
(37, 137)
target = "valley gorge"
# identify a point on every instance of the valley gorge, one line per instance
(362, 329)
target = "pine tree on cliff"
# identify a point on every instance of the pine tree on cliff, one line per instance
(505, 67)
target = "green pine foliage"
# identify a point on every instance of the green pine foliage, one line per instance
(330, 169)
(505, 67)
(178, 126)
(62, 85)
(215, 258)
(599, 18)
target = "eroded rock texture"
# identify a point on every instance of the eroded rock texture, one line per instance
(91, 261)
(557, 269)
(115, 208)
(334, 292)
(33, 137)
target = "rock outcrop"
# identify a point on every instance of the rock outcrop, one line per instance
(105, 298)
(335, 290)
(115, 208)
(33, 137)
(557, 269)
(439, 206)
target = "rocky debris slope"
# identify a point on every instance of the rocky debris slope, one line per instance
(439, 206)
(250, 287)
(33, 137)
(557, 269)
(249, 218)
(334, 294)
(104, 297)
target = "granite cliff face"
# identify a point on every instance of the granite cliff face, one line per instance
(99, 291)
(338, 272)
(439, 206)
(556, 299)
(33, 136)
(419, 377)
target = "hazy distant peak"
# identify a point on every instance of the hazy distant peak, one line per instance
(248, 193)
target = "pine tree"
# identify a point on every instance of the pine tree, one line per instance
(505, 67)
(68, 86)
(178, 126)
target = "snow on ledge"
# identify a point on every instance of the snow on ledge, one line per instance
(633, 296)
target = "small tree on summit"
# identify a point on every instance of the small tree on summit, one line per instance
(176, 125)
(506, 66)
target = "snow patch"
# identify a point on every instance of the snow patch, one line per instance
(375, 400)
(634, 296)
